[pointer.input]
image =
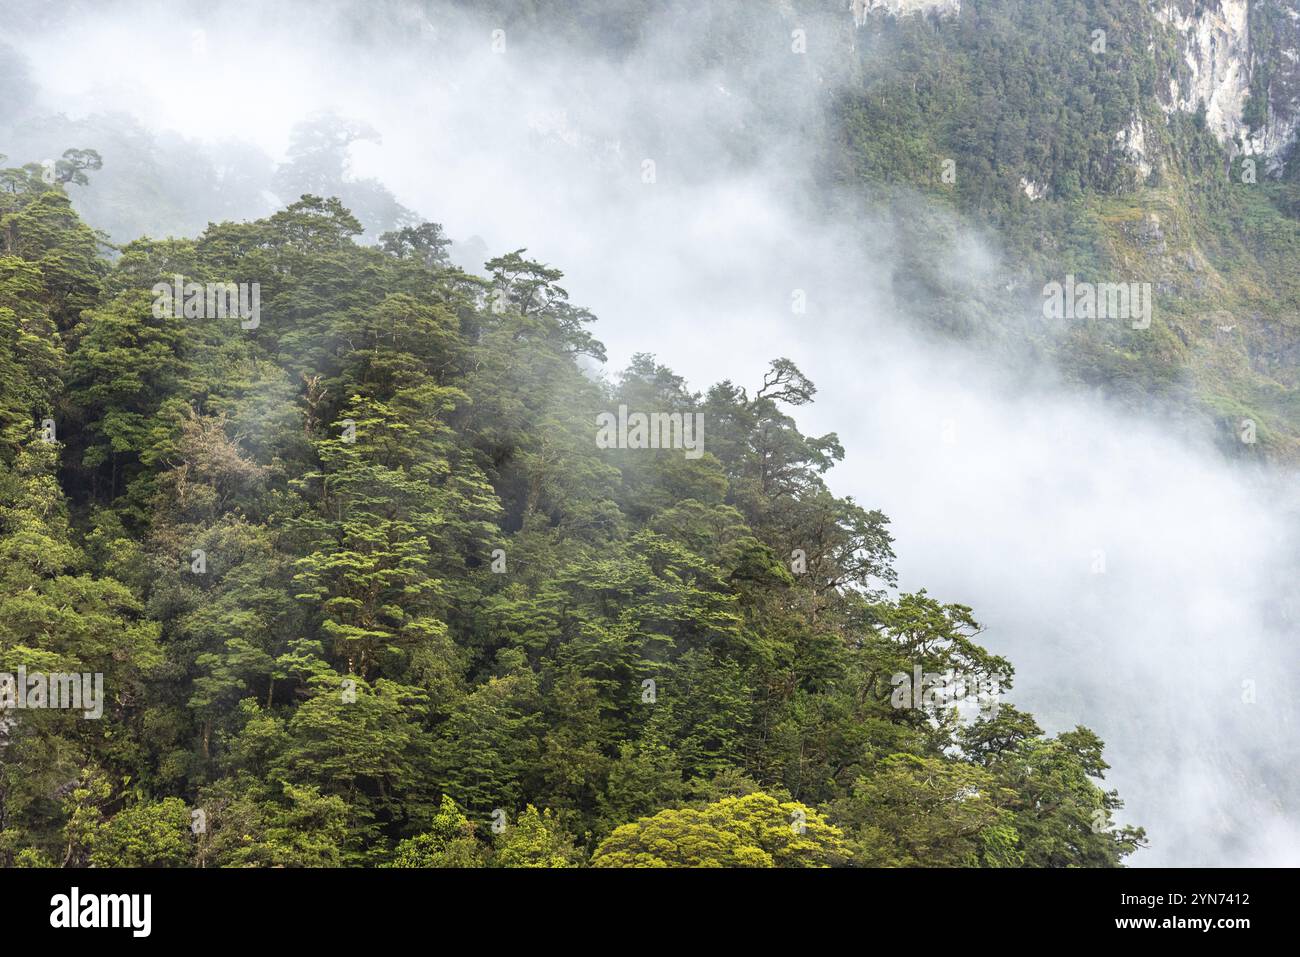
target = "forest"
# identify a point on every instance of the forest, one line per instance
(365, 589)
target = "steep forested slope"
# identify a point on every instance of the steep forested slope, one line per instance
(365, 588)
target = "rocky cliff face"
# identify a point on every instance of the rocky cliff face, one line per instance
(1233, 51)
(1215, 67)
(1276, 61)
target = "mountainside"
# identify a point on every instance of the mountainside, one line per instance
(1114, 142)
(363, 589)
(380, 566)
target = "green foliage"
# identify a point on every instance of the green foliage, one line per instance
(449, 842)
(361, 581)
(536, 840)
(751, 831)
(149, 834)
(248, 825)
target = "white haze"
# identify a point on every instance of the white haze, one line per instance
(1000, 490)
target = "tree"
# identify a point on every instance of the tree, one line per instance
(70, 169)
(926, 812)
(148, 834)
(449, 842)
(750, 831)
(249, 824)
(536, 840)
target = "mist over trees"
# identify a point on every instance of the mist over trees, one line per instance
(433, 623)
(421, 564)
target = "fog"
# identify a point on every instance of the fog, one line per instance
(1141, 583)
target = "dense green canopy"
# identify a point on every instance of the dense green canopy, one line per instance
(365, 590)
